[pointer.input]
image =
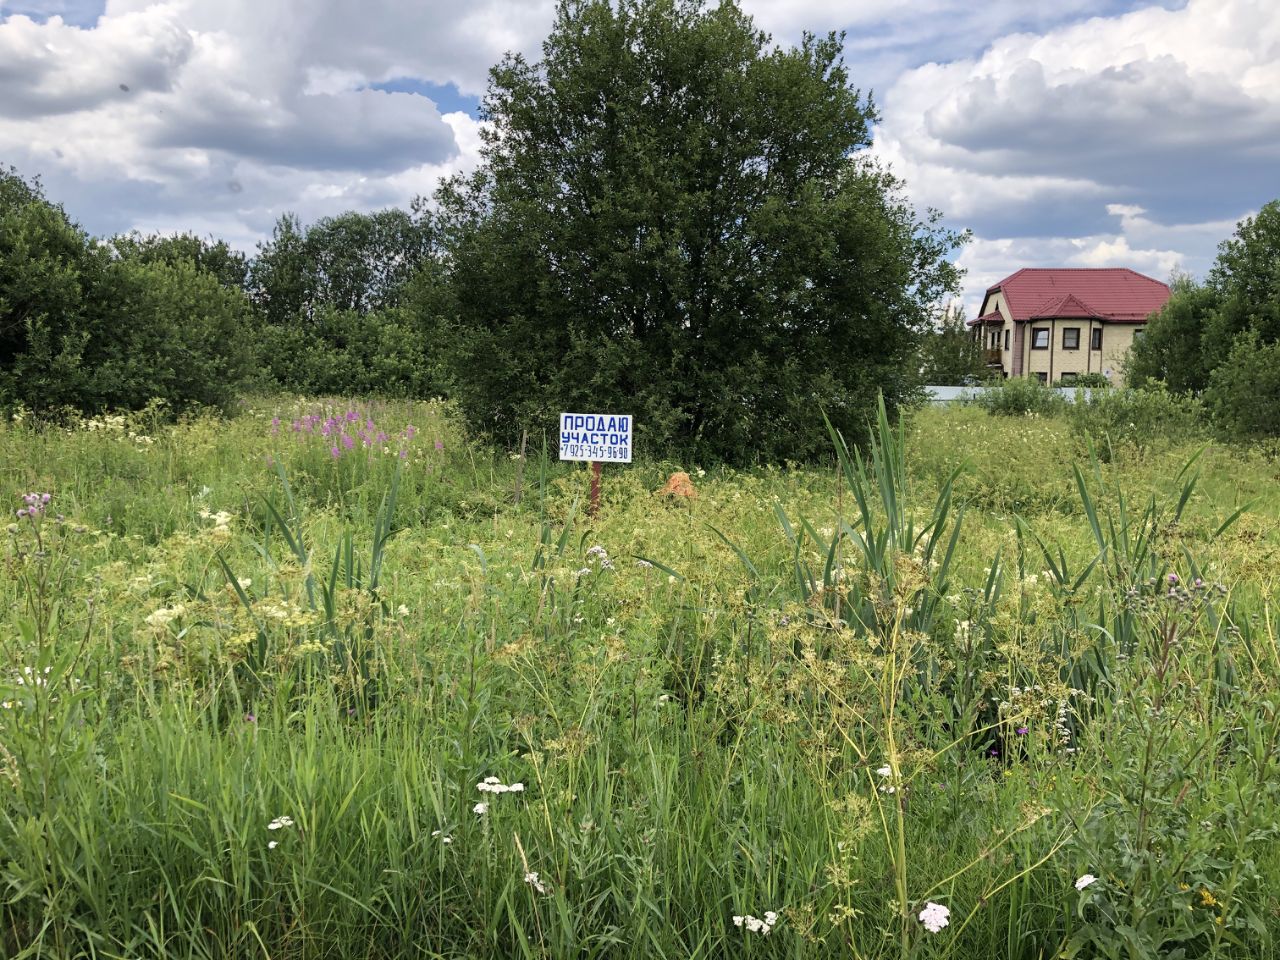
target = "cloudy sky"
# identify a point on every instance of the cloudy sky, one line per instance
(1072, 132)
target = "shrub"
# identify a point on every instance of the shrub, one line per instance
(1136, 418)
(80, 327)
(1244, 393)
(1089, 381)
(1019, 397)
(341, 352)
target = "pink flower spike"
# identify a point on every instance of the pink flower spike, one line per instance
(336, 452)
(410, 431)
(439, 444)
(348, 442)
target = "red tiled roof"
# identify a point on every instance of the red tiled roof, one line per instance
(989, 319)
(1117, 294)
(1068, 306)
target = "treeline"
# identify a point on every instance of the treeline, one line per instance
(90, 324)
(1220, 340)
(673, 219)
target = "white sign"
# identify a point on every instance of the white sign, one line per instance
(604, 437)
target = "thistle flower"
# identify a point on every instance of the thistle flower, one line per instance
(935, 916)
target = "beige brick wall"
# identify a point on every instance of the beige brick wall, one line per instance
(1057, 360)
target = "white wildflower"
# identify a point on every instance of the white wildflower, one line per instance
(273, 844)
(442, 836)
(165, 615)
(935, 916)
(480, 809)
(531, 878)
(279, 822)
(1084, 881)
(757, 924)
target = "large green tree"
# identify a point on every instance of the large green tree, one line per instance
(1223, 337)
(676, 219)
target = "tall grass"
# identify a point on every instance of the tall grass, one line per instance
(841, 696)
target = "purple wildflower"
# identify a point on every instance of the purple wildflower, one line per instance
(1173, 579)
(34, 504)
(348, 442)
(335, 452)
(410, 431)
(1022, 731)
(439, 444)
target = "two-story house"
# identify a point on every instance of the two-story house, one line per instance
(1056, 324)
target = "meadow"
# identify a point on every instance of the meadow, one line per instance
(330, 679)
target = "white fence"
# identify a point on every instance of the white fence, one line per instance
(961, 394)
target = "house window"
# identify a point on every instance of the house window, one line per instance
(1042, 376)
(1040, 339)
(1070, 338)
(1006, 339)
(1137, 333)
(1067, 379)
(1096, 343)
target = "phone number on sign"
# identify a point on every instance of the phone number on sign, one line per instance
(585, 451)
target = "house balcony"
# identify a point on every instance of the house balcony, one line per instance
(993, 358)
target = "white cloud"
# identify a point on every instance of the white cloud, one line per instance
(221, 116)
(1133, 140)
(52, 67)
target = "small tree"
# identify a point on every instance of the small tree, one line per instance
(1172, 350)
(950, 355)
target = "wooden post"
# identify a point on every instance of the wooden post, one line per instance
(524, 440)
(594, 509)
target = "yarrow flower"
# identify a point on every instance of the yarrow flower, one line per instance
(886, 771)
(279, 822)
(935, 916)
(756, 924)
(494, 785)
(480, 809)
(443, 837)
(1084, 881)
(599, 555)
(531, 878)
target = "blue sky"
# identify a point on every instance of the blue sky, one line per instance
(1074, 133)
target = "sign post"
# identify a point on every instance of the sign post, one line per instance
(595, 438)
